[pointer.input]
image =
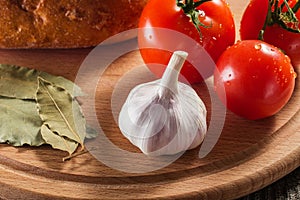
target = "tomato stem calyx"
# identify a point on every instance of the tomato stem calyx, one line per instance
(189, 7)
(287, 20)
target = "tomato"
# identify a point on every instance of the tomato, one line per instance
(217, 33)
(257, 78)
(253, 21)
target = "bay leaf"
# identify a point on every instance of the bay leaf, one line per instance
(60, 111)
(19, 123)
(20, 82)
(58, 142)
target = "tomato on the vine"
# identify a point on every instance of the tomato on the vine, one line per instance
(208, 22)
(280, 19)
(254, 79)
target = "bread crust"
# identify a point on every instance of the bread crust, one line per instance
(65, 23)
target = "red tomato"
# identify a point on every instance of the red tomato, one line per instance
(157, 47)
(253, 21)
(257, 78)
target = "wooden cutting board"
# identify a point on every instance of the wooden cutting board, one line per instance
(248, 155)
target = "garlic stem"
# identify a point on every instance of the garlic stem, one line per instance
(171, 74)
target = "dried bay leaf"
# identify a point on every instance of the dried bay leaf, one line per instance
(38, 108)
(60, 111)
(19, 123)
(21, 82)
(58, 142)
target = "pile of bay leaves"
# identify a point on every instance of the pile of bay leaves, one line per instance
(38, 108)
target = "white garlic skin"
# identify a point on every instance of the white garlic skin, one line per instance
(163, 131)
(163, 120)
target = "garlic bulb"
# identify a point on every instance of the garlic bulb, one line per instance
(164, 117)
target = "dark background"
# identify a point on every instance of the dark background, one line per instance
(287, 188)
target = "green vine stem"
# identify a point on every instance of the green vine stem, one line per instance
(189, 7)
(287, 20)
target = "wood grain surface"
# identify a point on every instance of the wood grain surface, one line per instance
(248, 156)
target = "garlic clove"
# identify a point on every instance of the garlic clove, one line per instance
(164, 117)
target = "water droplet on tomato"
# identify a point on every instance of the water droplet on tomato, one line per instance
(214, 38)
(255, 77)
(201, 13)
(257, 46)
(287, 59)
(258, 59)
(294, 75)
(292, 71)
(250, 60)
(220, 26)
(281, 36)
(278, 80)
(228, 83)
(280, 69)
(267, 67)
(285, 80)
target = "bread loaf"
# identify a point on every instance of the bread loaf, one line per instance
(65, 23)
